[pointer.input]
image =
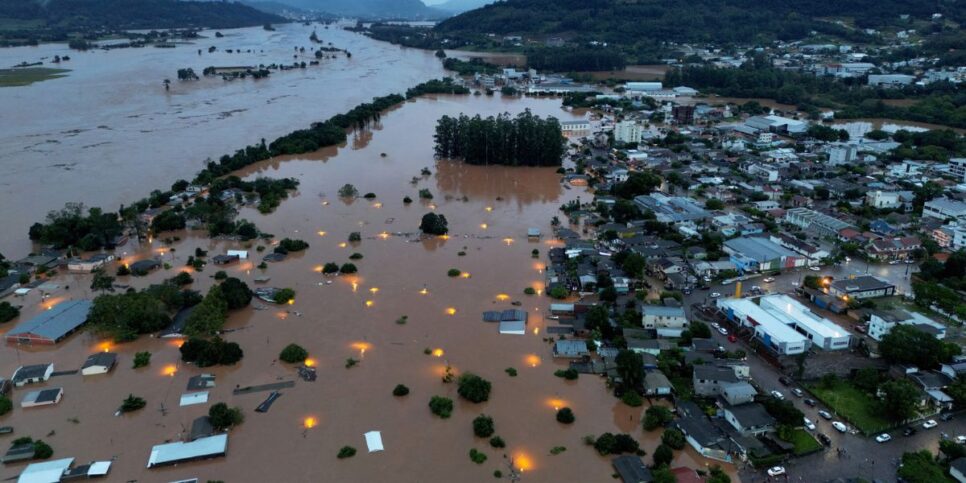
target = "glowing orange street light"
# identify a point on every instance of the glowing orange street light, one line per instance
(310, 362)
(465, 275)
(508, 241)
(309, 422)
(291, 301)
(355, 286)
(444, 237)
(424, 291)
(384, 235)
(369, 303)
(321, 233)
(438, 352)
(170, 370)
(377, 205)
(451, 311)
(484, 226)
(489, 208)
(374, 289)
(343, 245)
(501, 297)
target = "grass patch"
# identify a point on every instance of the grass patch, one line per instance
(804, 442)
(27, 76)
(857, 407)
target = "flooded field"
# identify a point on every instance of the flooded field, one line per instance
(108, 133)
(489, 210)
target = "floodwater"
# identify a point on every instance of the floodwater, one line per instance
(108, 133)
(489, 210)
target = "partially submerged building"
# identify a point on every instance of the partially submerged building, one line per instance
(51, 326)
(43, 397)
(775, 334)
(32, 374)
(180, 452)
(99, 363)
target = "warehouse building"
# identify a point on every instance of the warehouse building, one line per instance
(756, 254)
(51, 326)
(822, 332)
(774, 333)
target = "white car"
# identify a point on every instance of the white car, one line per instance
(883, 438)
(809, 425)
(961, 439)
(797, 392)
(715, 295)
(778, 395)
(769, 279)
(723, 330)
(815, 269)
(776, 471)
(930, 424)
(893, 262)
(716, 325)
(840, 426)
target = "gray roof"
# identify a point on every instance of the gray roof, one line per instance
(656, 379)
(740, 388)
(513, 315)
(699, 428)
(864, 283)
(752, 415)
(201, 427)
(56, 323)
(712, 373)
(662, 311)
(201, 381)
(43, 395)
(570, 347)
(171, 453)
(106, 359)
(959, 464)
(759, 249)
(30, 372)
(631, 469)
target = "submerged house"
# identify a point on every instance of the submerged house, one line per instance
(180, 452)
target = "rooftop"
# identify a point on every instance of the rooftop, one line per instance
(785, 306)
(759, 249)
(57, 322)
(863, 283)
(171, 453)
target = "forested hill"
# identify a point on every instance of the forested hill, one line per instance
(739, 21)
(83, 15)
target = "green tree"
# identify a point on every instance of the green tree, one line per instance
(905, 344)
(8, 312)
(6, 405)
(209, 316)
(441, 406)
(663, 455)
(674, 438)
(102, 281)
(714, 204)
(132, 403)
(900, 400)
(921, 467)
(717, 475)
(473, 388)
(400, 390)
(142, 359)
(284, 295)
(630, 367)
(483, 426)
(124, 316)
(565, 415)
(433, 224)
(223, 417)
(656, 416)
(236, 293)
(293, 353)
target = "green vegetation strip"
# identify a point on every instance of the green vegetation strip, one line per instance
(27, 76)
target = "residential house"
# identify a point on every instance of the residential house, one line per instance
(657, 384)
(32, 374)
(862, 287)
(749, 419)
(893, 248)
(711, 380)
(99, 363)
(667, 321)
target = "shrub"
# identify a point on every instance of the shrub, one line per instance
(400, 390)
(121, 271)
(673, 438)
(6, 405)
(330, 268)
(558, 293)
(348, 191)
(355, 236)
(497, 442)
(407, 200)
(473, 388)
(441, 406)
(132, 403)
(348, 268)
(350, 363)
(483, 426)
(557, 450)
(609, 443)
(142, 359)
(425, 194)
(656, 416)
(204, 353)
(402, 320)
(355, 256)
(511, 371)
(346, 452)
(284, 295)
(565, 415)
(219, 275)
(369, 196)
(433, 224)
(453, 272)
(568, 374)
(477, 456)
(293, 353)
(184, 278)
(632, 399)
(530, 291)
(42, 450)
(663, 455)
(223, 417)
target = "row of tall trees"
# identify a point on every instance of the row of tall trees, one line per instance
(526, 140)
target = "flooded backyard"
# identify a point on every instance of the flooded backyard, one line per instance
(489, 209)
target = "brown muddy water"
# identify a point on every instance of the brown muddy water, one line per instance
(108, 133)
(355, 316)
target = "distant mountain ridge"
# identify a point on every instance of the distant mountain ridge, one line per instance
(370, 9)
(76, 15)
(738, 21)
(460, 6)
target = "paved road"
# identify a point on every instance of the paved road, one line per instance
(861, 456)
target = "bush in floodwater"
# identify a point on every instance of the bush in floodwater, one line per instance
(477, 457)
(346, 452)
(142, 359)
(483, 426)
(293, 353)
(355, 236)
(530, 291)
(330, 268)
(454, 272)
(441, 406)
(497, 442)
(400, 390)
(348, 268)
(348, 191)
(473, 388)
(565, 415)
(132, 403)
(355, 256)
(632, 399)
(568, 374)
(511, 371)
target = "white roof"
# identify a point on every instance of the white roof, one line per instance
(763, 320)
(513, 327)
(192, 398)
(180, 451)
(786, 307)
(46, 472)
(374, 441)
(99, 468)
(242, 254)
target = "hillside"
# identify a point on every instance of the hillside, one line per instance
(460, 6)
(627, 22)
(370, 9)
(84, 15)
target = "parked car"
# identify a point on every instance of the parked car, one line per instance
(910, 262)
(824, 439)
(825, 414)
(784, 380)
(909, 431)
(798, 392)
(723, 330)
(815, 269)
(716, 325)
(768, 279)
(810, 402)
(732, 338)
(840, 426)
(947, 417)
(776, 471)
(893, 262)
(777, 395)
(715, 295)
(809, 424)
(961, 439)
(883, 438)
(930, 424)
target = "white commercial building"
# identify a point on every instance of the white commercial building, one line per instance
(943, 208)
(883, 199)
(774, 333)
(880, 324)
(822, 332)
(627, 132)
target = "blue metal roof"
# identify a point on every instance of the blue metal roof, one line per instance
(57, 322)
